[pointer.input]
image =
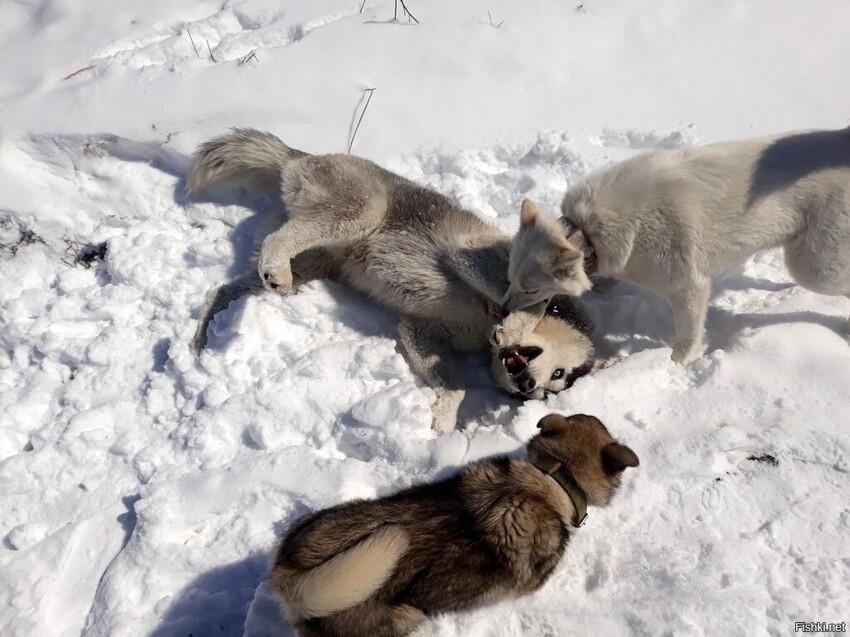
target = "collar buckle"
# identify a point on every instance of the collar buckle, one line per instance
(567, 482)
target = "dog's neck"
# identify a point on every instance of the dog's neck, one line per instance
(567, 482)
(579, 240)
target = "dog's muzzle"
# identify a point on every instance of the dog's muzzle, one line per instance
(514, 303)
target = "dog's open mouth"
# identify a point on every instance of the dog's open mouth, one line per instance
(516, 359)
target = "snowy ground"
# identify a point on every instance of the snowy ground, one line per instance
(142, 490)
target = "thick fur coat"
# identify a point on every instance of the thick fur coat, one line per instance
(494, 531)
(672, 220)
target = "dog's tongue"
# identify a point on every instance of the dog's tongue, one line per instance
(516, 360)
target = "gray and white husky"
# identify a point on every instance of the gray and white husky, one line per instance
(442, 268)
(671, 220)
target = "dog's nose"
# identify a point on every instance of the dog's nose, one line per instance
(527, 384)
(515, 302)
(509, 304)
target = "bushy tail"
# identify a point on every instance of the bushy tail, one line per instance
(346, 580)
(245, 155)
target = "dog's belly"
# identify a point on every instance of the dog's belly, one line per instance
(411, 279)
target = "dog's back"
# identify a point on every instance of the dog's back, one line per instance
(436, 548)
(732, 174)
(397, 240)
(717, 203)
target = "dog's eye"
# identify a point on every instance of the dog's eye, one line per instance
(558, 373)
(532, 291)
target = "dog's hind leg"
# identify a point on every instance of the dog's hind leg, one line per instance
(405, 619)
(690, 306)
(307, 266)
(219, 299)
(428, 348)
(373, 619)
(847, 326)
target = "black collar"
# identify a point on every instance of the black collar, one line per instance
(572, 231)
(567, 482)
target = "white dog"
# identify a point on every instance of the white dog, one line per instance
(671, 220)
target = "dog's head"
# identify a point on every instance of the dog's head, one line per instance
(583, 446)
(552, 357)
(542, 263)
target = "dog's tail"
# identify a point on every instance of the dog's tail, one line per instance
(245, 155)
(345, 580)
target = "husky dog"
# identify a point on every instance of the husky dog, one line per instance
(671, 220)
(494, 531)
(412, 249)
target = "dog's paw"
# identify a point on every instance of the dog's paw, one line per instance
(497, 337)
(685, 354)
(517, 325)
(507, 334)
(275, 274)
(444, 410)
(513, 329)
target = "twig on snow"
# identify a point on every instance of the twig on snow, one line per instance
(77, 72)
(192, 40)
(159, 132)
(212, 57)
(370, 91)
(406, 10)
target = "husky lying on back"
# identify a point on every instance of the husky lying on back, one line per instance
(671, 220)
(412, 249)
(496, 530)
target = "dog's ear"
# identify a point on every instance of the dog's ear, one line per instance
(566, 261)
(552, 423)
(528, 213)
(616, 457)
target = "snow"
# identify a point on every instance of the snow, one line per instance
(142, 489)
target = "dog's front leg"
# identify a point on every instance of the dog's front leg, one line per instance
(428, 350)
(297, 236)
(690, 306)
(517, 325)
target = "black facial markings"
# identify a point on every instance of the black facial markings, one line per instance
(578, 372)
(571, 311)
